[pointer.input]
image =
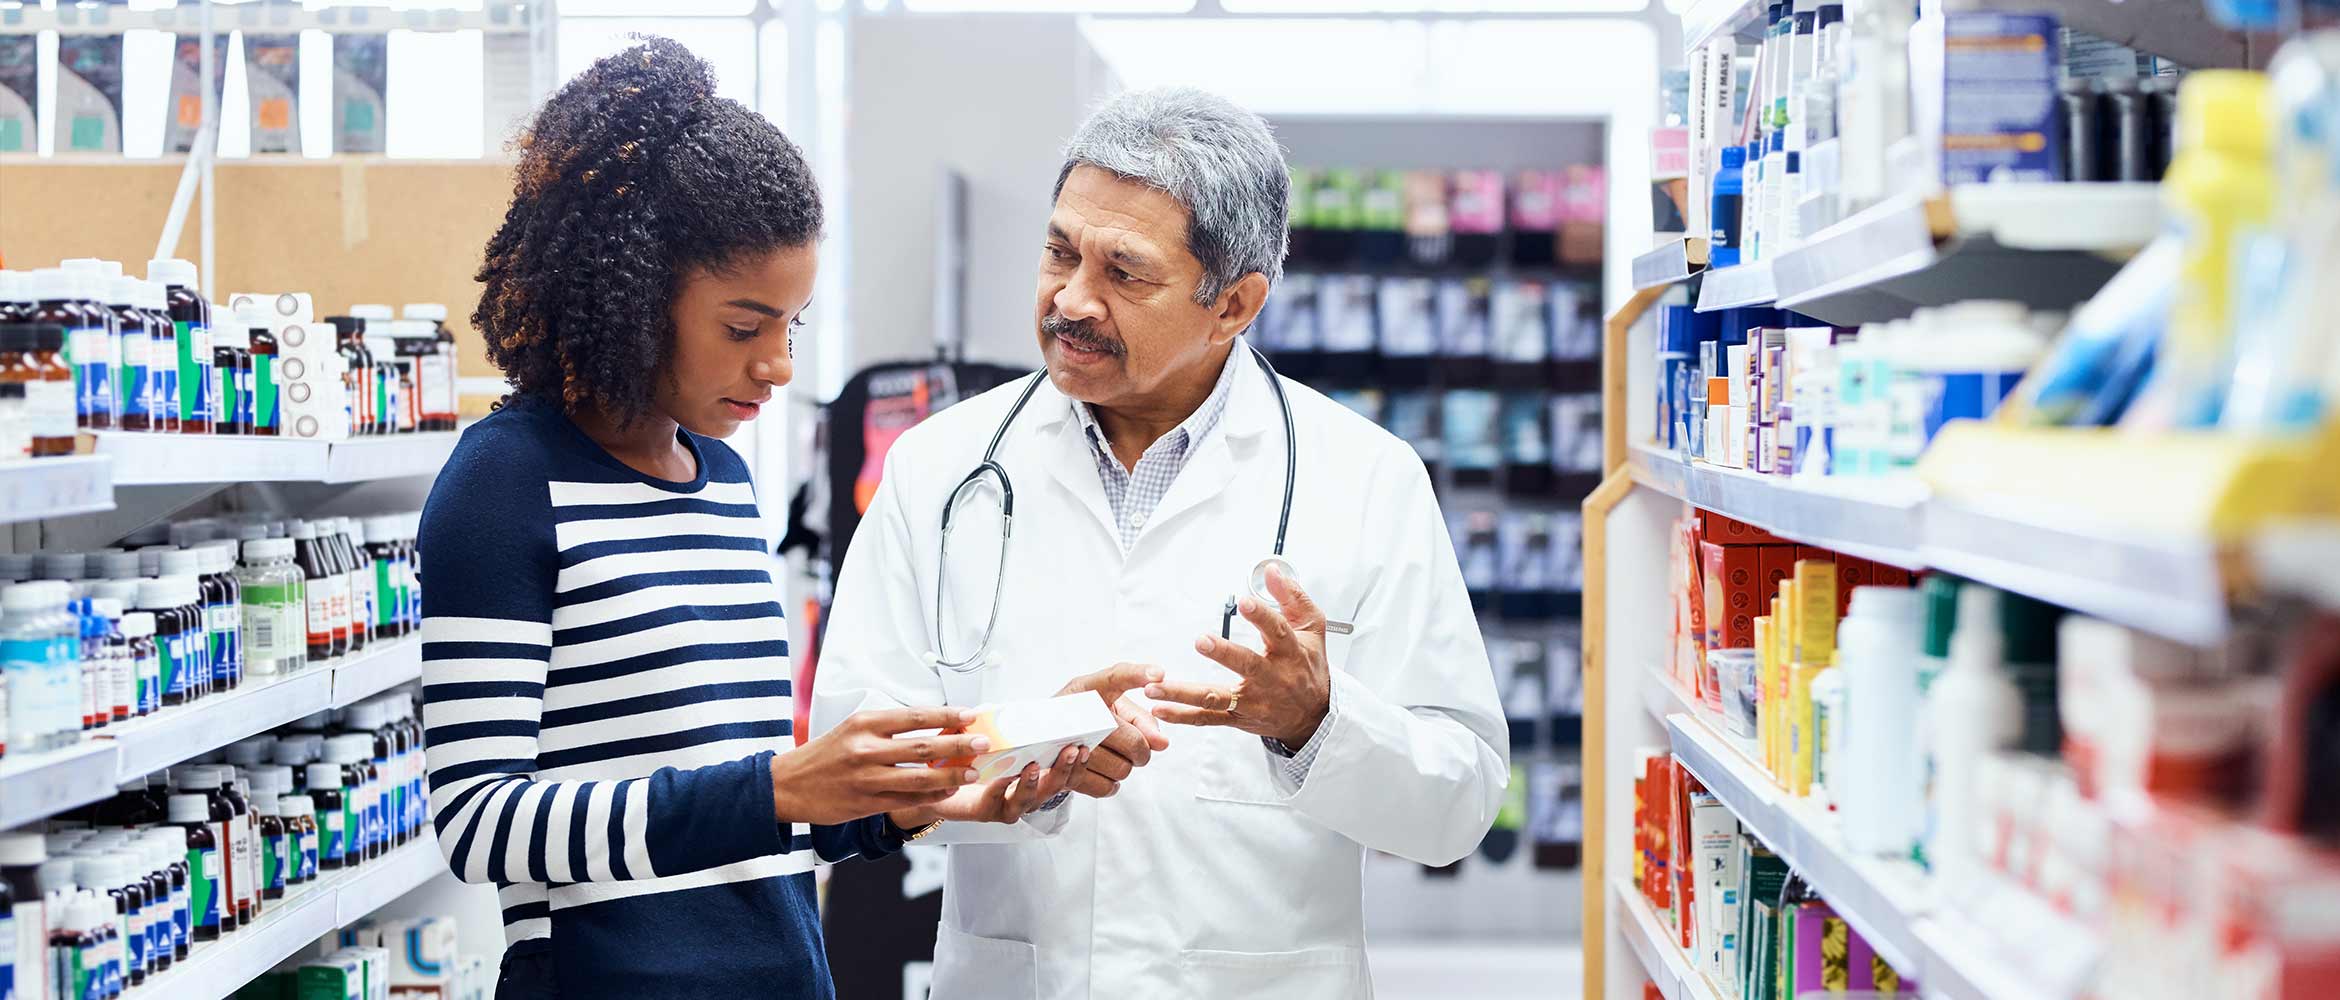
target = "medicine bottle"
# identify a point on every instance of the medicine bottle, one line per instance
(243, 845)
(206, 881)
(300, 830)
(365, 598)
(48, 393)
(275, 632)
(175, 681)
(267, 410)
(275, 872)
(24, 908)
(331, 813)
(134, 356)
(206, 643)
(231, 359)
(162, 368)
(191, 320)
(111, 648)
(317, 583)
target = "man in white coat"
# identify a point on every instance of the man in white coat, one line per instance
(1149, 472)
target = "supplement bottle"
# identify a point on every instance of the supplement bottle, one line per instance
(434, 366)
(275, 633)
(161, 905)
(91, 350)
(300, 831)
(162, 368)
(191, 320)
(57, 295)
(146, 662)
(134, 354)
(226, 825)
(318, 584)
(357, 372)
(366, 598)
(15, 422)
(171, 843)
(48, 393)
(174, 677)
(274, 870)
(112, 648)
(24, 921)
(106, 875)
(356, 796)
(209, 601)
(219, 565)
(267, 414)
(381, 551)
(192, 812)
(331, 814)
(243, 845)
(231, 359)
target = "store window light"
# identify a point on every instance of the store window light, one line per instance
(1431, 6)
(728, 44)
(433, 108)
(772, 98)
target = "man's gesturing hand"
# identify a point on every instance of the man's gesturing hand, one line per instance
(1281, 693)
(1131, 744)
(855, 769)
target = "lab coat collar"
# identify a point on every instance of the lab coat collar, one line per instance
(1251, 407)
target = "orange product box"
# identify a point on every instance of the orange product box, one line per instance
(1729, 531)
(1777, 562)
(1734, 594)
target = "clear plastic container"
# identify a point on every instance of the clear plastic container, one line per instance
(1734, 671)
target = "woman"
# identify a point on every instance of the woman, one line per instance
(605, 665)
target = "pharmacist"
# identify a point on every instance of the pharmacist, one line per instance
(1149, 469)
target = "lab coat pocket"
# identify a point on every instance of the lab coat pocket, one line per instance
(967, 967)
(1235, 769)
(1310, 973)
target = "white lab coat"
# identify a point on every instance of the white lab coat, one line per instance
(1209, 874)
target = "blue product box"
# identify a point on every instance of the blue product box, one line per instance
(1999, 104)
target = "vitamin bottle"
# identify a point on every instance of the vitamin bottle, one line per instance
(57, 303)
(172, 841)
(209, 602)
(48, 393)
(16, 369)
(331, 814)
(161, 905)
(90, 351)
(193, 812)
(191, 320)
(157, 599)
(218, 562)
(105, 874)
(231, 359)
(275, 633)
(267, 415)
(274, 872)
(300, 831)
(162, 359)
(243, 845)
(134, 353)
(227, 824)
(318, 582)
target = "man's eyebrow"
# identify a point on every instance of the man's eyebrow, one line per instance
(754, 306)
(1131, 258)
(1057, 233)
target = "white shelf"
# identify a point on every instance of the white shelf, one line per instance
(36, 488)
(1706, 20)
(1668, 263)
(2171, 586)
(2002, 943)
(1881, 899)
(1663, 960)
(143, 746)
(37, 785)
(219, 968)
(33, 785)
(143, 459)
(1876, 519)
(2047, 245)
(1737, 286)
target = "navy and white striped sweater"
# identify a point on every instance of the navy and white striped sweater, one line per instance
(605, 681)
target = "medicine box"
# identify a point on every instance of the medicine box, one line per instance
(421, 954)
(1999, 97)
(339, 976)
(1035, 732)
(1723, 530)
(1734, 593)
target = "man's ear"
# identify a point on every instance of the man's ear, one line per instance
(1238, 306)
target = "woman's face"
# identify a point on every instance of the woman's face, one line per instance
(731, 339)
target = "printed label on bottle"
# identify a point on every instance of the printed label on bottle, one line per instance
(264, 405)
(134, 939)
(93, 370)
(134, 385)
(320, 603)
(1726, 221)
(206, 885)
(50, 405)
(332, 830)
(272, 871)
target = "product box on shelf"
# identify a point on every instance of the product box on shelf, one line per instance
(1714, 834)
(1999, 98)
(1734, 593)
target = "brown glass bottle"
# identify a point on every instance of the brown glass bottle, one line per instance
(192, 811)
(267, 412)
(191, 318)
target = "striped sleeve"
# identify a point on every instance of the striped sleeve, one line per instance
(488, 567)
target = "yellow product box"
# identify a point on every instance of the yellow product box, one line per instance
(1765, 718)
(1815, 632)
(1035, 732)
(1801, 743)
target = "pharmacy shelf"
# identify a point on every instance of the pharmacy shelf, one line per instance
(1707, 20)
(1879, 520)
(2049, 246)
(1737, 287)
(217, 970)
(36, 488)
(2172, 586)
(144, 746)
(164, 459)
(33, 785)
(1880, 899)
(1663, 697)
(381, 667)
(1671, 262)
(1662, 959)
(279, 17)
(1998, 942)
(2179, 30)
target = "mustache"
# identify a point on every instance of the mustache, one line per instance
(1081, 332)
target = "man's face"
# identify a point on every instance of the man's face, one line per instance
(1116, 311)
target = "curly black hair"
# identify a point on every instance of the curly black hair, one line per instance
(631, 176)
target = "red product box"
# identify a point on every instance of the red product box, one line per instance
(1726, 531)
(1777, 563)
(1734, 594)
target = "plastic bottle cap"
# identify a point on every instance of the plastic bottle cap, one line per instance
(190, 808)
(171, 272)
(341, 750)
(431, 311)
(103, 871)
(117, 565)
(380, 530)
(187, 590)
(137, 624)
(293, 752)
(181, 562)
(371, 311)
(107, 607)
(247, 753)
(62, 565)
(20, 849)
(267, 549)
(324, 776)
(2227, 110)
(22, 598)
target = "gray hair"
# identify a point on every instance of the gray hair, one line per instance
(1218, 160)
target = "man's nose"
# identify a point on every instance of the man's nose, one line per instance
(1078, 299)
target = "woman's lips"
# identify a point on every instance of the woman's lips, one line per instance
(741, 410)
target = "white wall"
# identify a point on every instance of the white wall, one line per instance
(992, 96)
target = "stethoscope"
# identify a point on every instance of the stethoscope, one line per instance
(990, 469)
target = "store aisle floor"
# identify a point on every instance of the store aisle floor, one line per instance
(1445, 970)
